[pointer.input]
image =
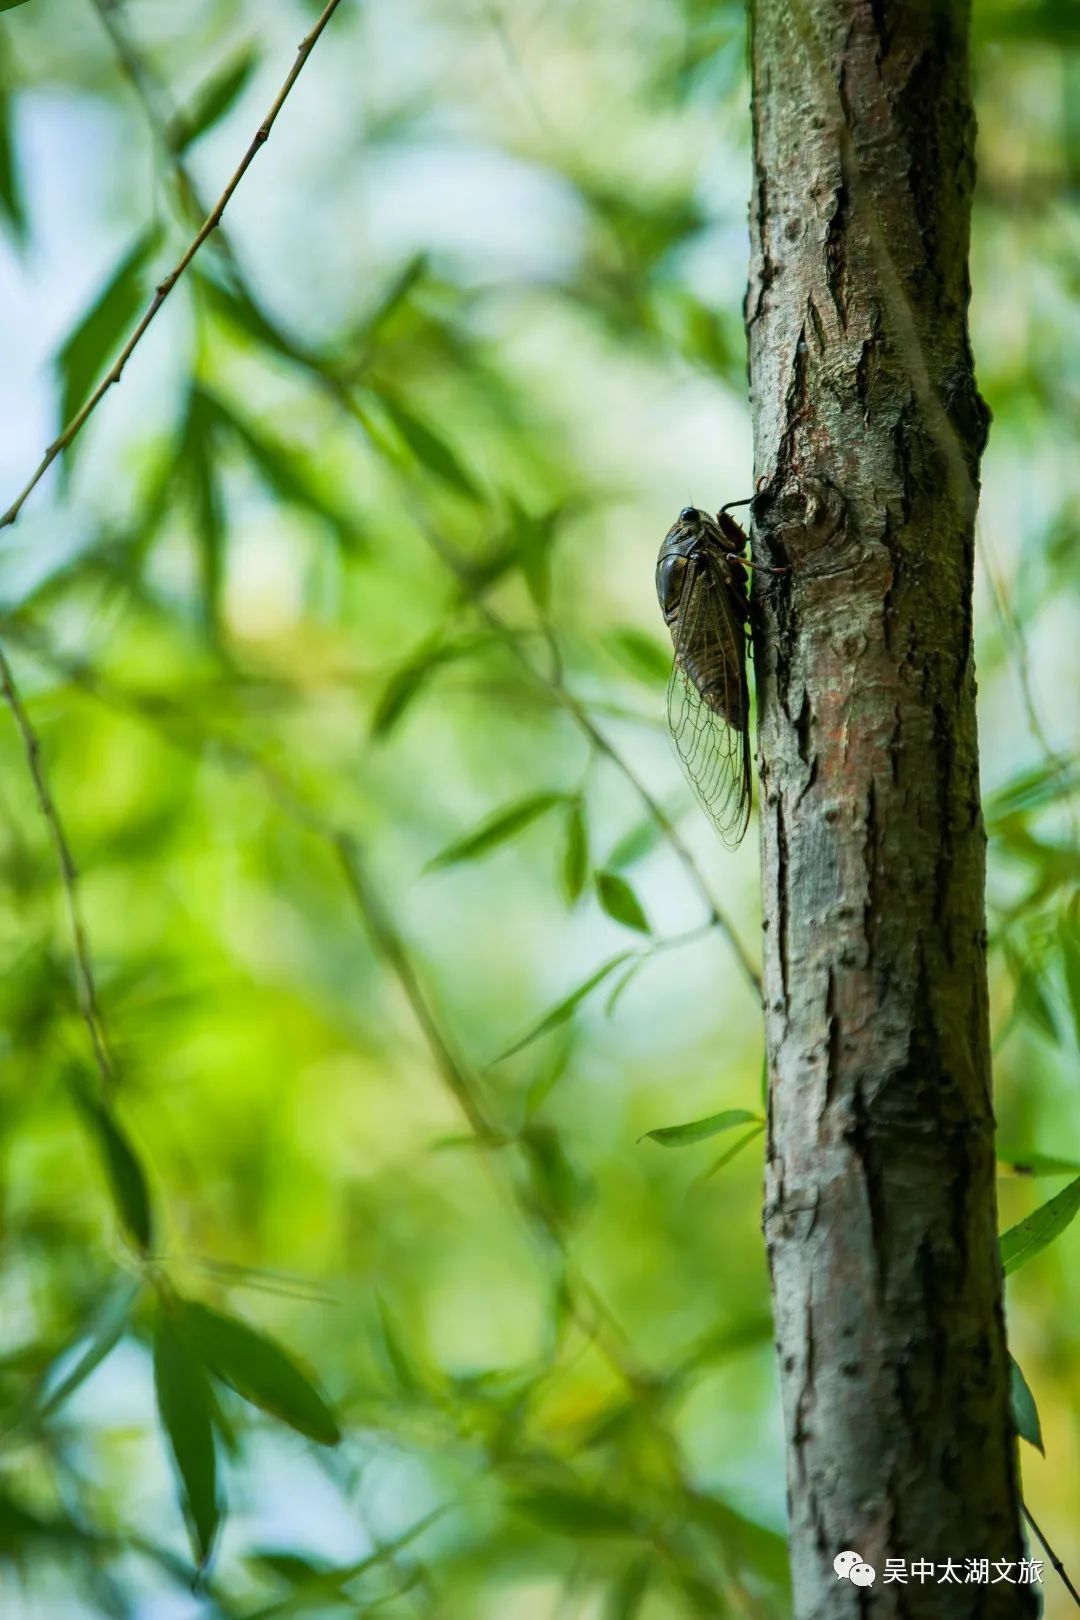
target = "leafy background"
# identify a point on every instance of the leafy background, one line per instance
(337, 631)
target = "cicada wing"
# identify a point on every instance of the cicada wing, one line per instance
(708, 699)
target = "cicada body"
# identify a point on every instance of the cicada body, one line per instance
(701, 584)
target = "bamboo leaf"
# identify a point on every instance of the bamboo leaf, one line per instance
(1025, 1413)
(697, 1130)
(261, 1371)
(213, 100)
(1028, 1238)
(507, 824)
(565, 1009)
(185, 1407)
(620, 902)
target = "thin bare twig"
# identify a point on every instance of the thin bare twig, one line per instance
(165, 287)
(69, 877)
(1055, 1561)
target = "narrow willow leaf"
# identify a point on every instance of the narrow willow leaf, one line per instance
(11, 196)
(565, 1009)
(575, 861)
(576, 1513)
(430, 450)
(620, 902)
(732, 1153)
(1070, 961)
(199, 456)
(214, 100)
(696, 1130)
(641, 654)
(280, 469)
(635, 844)
(628, 1594)
(104, 1333)
(185, 1407)
(560, 1187)
(124, 1173)
(93, 341)
(407, 1376)
(623, 983)
(1024, 1241)
(507, 824)
(9, 5)
(261, 1371)
(235, 306)
(1025, 1413)
(1036, 1164)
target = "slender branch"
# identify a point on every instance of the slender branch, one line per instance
(69, 876)
(165, 287)
(1055, 1561)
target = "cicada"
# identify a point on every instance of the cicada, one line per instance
(701, 583)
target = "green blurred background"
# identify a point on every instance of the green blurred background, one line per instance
(355, 565)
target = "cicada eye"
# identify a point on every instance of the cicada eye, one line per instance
(670, 574)
(688, 514)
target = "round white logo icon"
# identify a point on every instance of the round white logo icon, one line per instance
(851, 1566)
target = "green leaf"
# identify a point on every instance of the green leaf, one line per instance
(404, 1372)
(199, 458)
(575, 861)
(623, 983)
(9, 5)
(732, 1153)
(213, 100)
(1032, 1000)
(124, 1173)
(576, 1513)
(1024, 1241)
(620, 902)
(185, 1407)
(641, 654)
(566, 1008)
(560, 1187)
(1035, 1164)
(103, 1334)
(628, 1594)
(507, 824)
(430, 450)
(284, 475)
(696, 1130)
(97, 335)
(11, 197)
(261, 1371)
(635, 844)
(1070, 961)
(406, 682)
(1025, 1414)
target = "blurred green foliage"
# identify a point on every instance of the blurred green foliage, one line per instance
(339, 638)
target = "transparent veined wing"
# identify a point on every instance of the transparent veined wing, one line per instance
(708, 697)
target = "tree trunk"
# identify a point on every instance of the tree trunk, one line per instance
(880, 1207)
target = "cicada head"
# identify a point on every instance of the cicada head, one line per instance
(680, 543)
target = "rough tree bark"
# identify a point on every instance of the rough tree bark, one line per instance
(880, 1207)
